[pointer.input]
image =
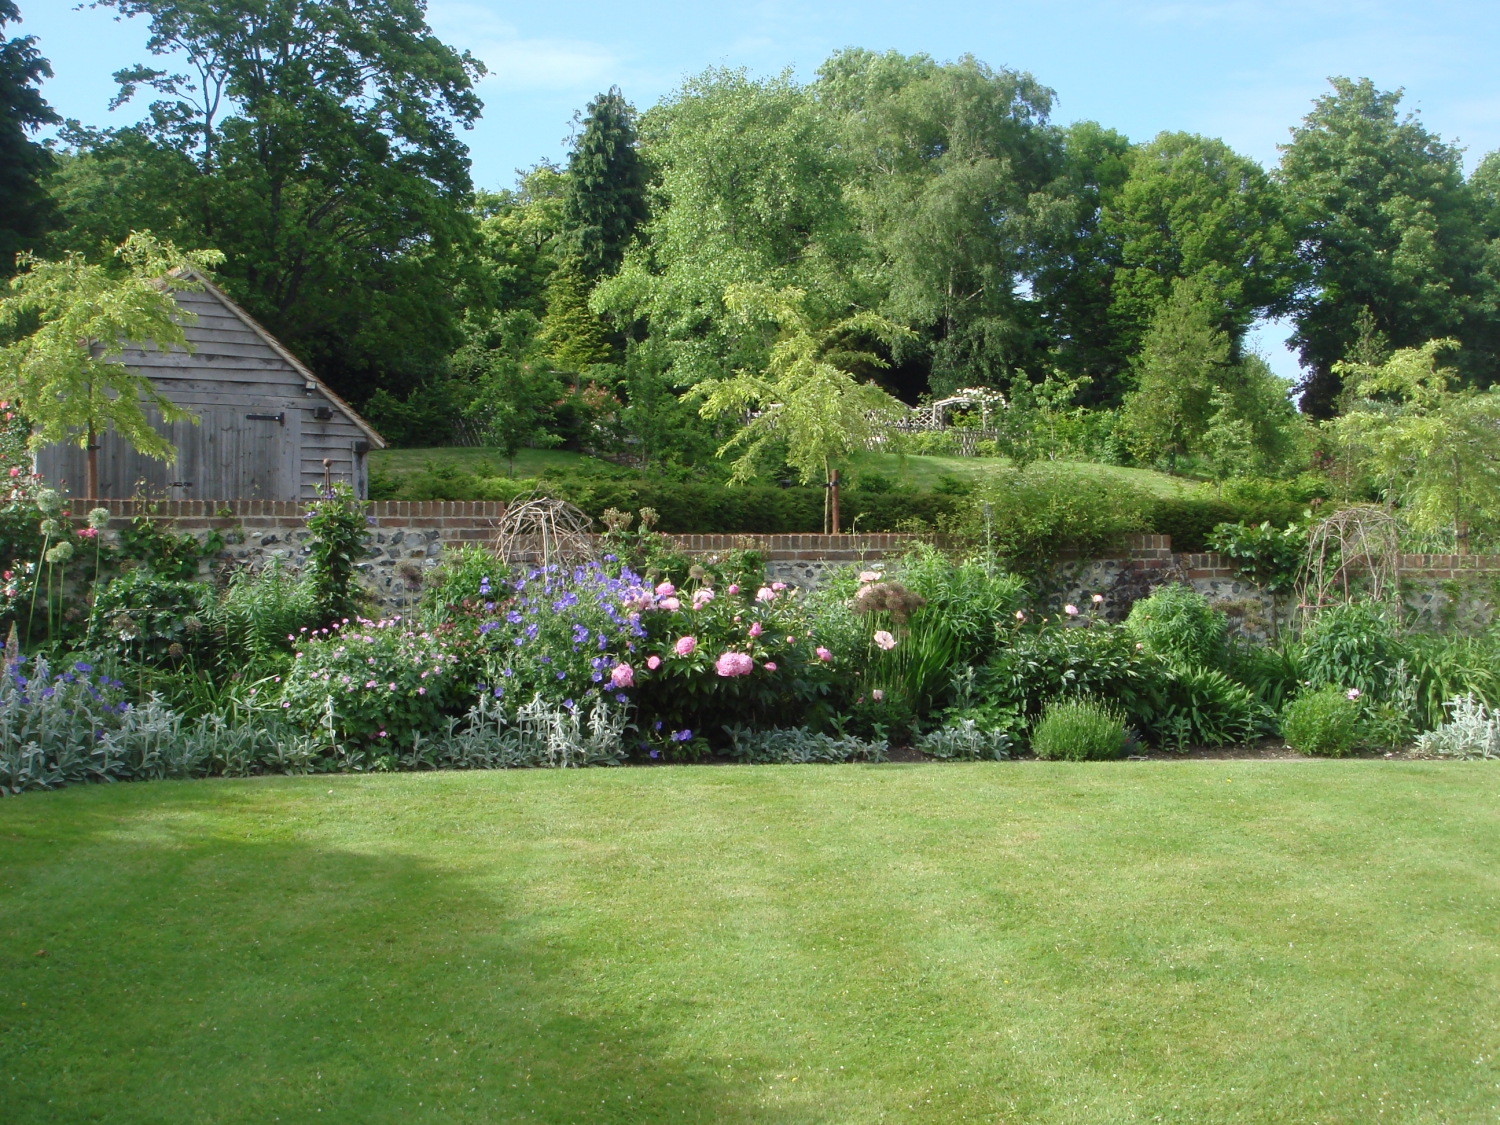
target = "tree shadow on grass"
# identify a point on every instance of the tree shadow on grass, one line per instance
(193, 977)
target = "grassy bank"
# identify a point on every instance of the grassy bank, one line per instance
(1187, 942)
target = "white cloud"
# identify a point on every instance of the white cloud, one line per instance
(516, 62)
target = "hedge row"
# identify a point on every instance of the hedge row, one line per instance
(719, 509)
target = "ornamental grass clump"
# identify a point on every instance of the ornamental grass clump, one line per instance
(1079, 730)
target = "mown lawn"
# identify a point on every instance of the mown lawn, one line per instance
(921, 473)
(1012, 942)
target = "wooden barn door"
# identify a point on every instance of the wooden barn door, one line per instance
(260, 452)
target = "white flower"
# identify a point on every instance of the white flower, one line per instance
(884, 640)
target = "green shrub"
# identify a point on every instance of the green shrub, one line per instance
(1262, 553)
(1038, 514)
(1354, 645)
(1078, 730)
(260, 610)
(1101, 661)
(1447, 667)
(1323, 722)
(1204, 707)
(339, 527)
(1178, 624)
(1272, 674)
(143, 617)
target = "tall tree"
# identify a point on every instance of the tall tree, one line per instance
(950, 165)
(749, 188)
(325, 163)
(1194, 208)
(606, 194)
(1384, 222)
(1072, 282)
(26, 211)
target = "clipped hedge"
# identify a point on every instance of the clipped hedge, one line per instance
(1190, 520)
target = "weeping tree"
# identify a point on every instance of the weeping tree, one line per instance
(806, 405)
(68, 323)
(1434, 448)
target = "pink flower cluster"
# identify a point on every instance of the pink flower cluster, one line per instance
(734, 664)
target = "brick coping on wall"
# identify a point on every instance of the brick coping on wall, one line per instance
(476, 520)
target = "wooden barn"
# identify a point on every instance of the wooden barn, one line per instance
(265, 422)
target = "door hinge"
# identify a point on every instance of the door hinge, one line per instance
(281, 418)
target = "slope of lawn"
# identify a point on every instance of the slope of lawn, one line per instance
(920, 473)
(1012, 942)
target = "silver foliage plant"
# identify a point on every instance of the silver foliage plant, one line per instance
(1472, 731)
(800, 746)
(539, 735)
(67, 727)
(965, 740)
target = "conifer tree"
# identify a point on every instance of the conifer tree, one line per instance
(25, 210)
(571, 334)
(606, 197)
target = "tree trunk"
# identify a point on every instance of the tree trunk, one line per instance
(833, 491)
(91, 472)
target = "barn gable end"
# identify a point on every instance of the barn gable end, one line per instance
(266, 423)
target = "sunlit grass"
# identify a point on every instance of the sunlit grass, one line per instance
(1020, 942)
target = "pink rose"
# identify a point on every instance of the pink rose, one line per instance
(884, 640)
(770, 666)
(653, 662)
(685, 646)
(665, 589)
(623, 676)
(734, 588)
(734, 664)
(823, 654)
(756, 630)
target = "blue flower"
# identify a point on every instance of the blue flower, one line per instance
(83, 667)
(620, 697)
(562, 675)
(569, 704)
(513, 617)
(598, 676)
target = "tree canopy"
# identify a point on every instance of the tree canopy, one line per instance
(26, 209)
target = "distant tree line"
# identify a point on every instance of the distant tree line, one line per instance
(932, 225)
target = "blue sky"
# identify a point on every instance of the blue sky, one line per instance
(1244, 70)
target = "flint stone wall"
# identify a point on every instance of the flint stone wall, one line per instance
(407, 540)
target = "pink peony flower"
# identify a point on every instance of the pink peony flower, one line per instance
(734, 664)
(1071, 610)
(823, 654)
(702, 598)
(778, 586)
(1352, 694)
(665, 589)
(1020, 615)
(653, 662)
(623, 676)
(671, 605)
(765, 594)
(791, 640)
(756, 630)
(869, 576)
(884, 640)
(877, 695)
(770, 666)
(685, 646)
(734, 588)
(1098, 599)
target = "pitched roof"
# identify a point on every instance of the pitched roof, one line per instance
(280, 349)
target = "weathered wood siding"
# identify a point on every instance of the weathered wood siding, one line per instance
(258, 434)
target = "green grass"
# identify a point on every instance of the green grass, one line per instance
(1186, 942)
(921, 473)
(487, 462)
(924, 472)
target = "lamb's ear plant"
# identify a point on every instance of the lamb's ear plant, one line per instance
(1472, 731)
